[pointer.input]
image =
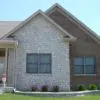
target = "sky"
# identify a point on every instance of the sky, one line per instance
(88, 11)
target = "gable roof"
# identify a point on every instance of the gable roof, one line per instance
(70, 37)
(6, 26)
(86, 29)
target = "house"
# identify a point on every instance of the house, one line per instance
(49, 48)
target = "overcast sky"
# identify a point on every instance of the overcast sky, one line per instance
(88, 11)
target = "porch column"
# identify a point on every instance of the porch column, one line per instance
(6, 61)
(11, 69)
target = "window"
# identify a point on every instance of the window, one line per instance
(84, 65)
(78, 65)
(38, 63)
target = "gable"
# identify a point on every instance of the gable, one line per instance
(66, 34)
(39, 35)
(71, 24)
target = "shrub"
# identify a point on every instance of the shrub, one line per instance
(92, 87)
(44, 88)
(81, 88)
(34, 88)
(74, 88)
(55, 88)
(98, 86)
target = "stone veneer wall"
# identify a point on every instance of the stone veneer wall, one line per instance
(40, 36)
(11, 67)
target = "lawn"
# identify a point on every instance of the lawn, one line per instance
(21, 97)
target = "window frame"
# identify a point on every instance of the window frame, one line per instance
(39, 65)
(45, 63)
(84, 65)
(31, 63)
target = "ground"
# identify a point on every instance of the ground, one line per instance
(22, 97)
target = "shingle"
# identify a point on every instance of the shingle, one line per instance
(6, 26)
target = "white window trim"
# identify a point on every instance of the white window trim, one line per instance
(84, 74)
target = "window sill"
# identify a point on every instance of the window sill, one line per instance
(84, 75)
(39, 73)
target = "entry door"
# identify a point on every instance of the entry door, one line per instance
(2, 67)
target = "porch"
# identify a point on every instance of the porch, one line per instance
(5, 46)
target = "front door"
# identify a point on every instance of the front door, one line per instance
(2, 67)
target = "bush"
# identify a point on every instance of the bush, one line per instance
(74, 88)
(92, 87)
(98, 86)
(44, 88)
(34, 88)
(81, 88)
(55, 88)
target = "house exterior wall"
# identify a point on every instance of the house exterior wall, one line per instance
(40, 36)
(84, 46)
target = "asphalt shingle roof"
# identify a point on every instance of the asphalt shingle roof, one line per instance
(6, 26)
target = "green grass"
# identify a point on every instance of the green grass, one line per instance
(21, 97)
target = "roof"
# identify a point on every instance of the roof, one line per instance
(81, 25)
(70, 37)
(6, 26)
